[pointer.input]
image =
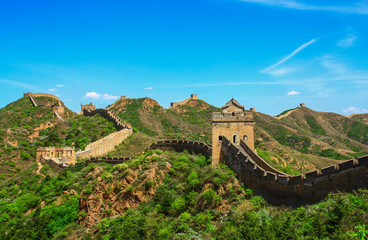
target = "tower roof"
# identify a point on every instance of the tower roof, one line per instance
(232, 106)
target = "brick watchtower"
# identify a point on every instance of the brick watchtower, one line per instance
(235, 124)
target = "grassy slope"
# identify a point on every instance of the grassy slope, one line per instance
(191, 200)
(18, 121)
(307, 139)
(363, 117)
(148, 117)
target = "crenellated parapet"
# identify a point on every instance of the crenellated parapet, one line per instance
(109, 115)
(180, 145)
(279, 188)
(247, 116)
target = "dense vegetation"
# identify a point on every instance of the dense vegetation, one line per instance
(193, 201)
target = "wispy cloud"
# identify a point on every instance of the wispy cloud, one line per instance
(109, 97)
(356, 8)
(104, 96)
(348, 41)
(59, 85)
(293, 93)
(53, 89)
(19, 84)
(333, 65)
(355, 110)
(280, 71)
(296, 51)
(148, 88)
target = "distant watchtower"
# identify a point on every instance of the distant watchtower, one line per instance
(235, 124)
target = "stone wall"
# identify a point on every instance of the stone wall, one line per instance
(104, 145)
(192, 97)
(109, 115)
(181, 145)
(295, 190)
(41, 95)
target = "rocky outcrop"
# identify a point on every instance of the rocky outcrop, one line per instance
(112, 196)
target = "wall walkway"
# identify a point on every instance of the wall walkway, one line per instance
(109, 115)
(281, 189)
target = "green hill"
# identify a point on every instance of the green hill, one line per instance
(154, 122)
(24, 128)
(307, 139)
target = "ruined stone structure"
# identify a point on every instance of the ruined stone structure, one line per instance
(234, 123)
(59, 155)
(302, 105)
(192, 97)
(58, 108)
(87, 107)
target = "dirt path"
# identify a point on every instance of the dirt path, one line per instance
(39, 168)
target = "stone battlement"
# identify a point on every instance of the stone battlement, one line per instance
(181, 145)
(279, 188)
(109, 115)
(246, 116)
(108, 143)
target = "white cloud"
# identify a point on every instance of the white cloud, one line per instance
(92, 95)
(104, 96)
(333, 65)
(296, 51)
(53, 89)
(59, 85)
(348, 41)
(356, 8)
(108, 97)
(293, 93)
(355, 110)
(148, 88)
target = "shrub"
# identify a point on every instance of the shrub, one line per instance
(208, 195)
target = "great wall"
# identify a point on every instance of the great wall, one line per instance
(233, 144)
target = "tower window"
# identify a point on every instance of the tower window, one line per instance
(220, 138)
(245, 138)
(235, 139)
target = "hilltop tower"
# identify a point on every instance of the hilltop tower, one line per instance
(88, 107)
(235, 124)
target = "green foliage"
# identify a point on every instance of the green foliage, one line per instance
(25, 156)
(62, 215)
(330, 153)
(131, 115)
(315, 127)
(359, 132)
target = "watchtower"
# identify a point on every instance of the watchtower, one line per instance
(235, 124)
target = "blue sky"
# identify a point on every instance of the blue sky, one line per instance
(267, 54)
